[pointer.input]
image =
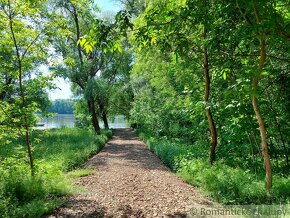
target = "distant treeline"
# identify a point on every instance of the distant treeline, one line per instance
(62, 106)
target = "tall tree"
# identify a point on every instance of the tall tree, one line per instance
(24, 40)
(232, 43)
(171, 25)
(90, 40)
(264, 22)
(75, 19)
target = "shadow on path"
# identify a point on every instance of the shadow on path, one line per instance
(125, 147)
(130, 181)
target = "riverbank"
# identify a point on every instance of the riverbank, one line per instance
(57, 154)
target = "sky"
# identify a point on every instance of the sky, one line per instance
(63, 87)
(108, 5)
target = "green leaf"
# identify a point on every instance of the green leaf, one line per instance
(153, 41)
(82, 41)
(224, 75)
(264, 73)
(88, 48)
(117, 47)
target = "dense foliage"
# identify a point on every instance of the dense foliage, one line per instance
(62, 106)
(207, 81)
(215, 73)
(89, 46)
(35, 34)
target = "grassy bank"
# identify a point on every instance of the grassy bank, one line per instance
(57, 153)
(227, 182)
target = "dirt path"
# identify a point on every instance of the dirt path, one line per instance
(130, 181)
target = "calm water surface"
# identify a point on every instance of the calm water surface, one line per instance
(68, 120)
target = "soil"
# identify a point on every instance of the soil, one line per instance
(130, 181)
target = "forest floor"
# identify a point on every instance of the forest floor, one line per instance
(130, 181)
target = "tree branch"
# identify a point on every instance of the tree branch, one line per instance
(31, 43)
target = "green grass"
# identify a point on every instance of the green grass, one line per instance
(227, 184)
(57, 155)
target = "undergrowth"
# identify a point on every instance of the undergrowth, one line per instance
(57, 155)
(226, 183)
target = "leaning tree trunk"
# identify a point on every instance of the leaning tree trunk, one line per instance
(105, 119)
(212, 128)
(104, 116)
(94, 116)
(262, 128)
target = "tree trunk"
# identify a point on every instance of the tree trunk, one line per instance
(264, 146)
(252, 146)
(78, 34)
(104, 116)
(27, 142)
(106, 124)
(212, 128)
(95, 122)
(22, 95)
(262, 128)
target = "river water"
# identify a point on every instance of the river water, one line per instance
(68, 120)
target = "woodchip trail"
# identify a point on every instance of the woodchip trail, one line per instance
(130, 181)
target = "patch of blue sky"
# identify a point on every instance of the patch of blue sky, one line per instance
(109, 5)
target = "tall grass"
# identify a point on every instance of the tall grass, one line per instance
(56, 152)
(226, 183)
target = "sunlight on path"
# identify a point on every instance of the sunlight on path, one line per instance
(130, 181)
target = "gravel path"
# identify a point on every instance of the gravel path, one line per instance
(130, 181)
